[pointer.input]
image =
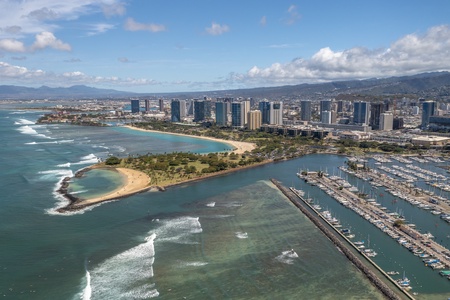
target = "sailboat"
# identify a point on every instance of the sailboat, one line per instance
(404, 281)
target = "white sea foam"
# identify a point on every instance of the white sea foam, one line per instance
(211, 204)
(87, 292)
(55, 174)
(287, 257)
(87, 160)
(23, 122)
(241, 235)
(192, 264)
(126, 275)
(180, 230)
(66, 165)
(26, 129)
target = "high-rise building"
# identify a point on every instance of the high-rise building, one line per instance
(178, 110)
(398, 123)
(386, 121)
(254, 119)
(237, 115)
(340, 106)
(325, 105)
(276, 113)
(428, 110)
(246, 104)
(325, 117)
(361, 112)
(264, 107)
(135, 106)
(161, 105)
(376, 109)
(305, 110)
(199, 110)
(221, 113)
(147, 105)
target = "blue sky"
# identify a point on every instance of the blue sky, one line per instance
(177, 45)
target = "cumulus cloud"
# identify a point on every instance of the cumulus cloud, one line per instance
(12, 45)
(47, 39)
(23, 75)
(132, 25)
(409, 55)
(217, 29)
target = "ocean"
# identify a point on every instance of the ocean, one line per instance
(229, 237)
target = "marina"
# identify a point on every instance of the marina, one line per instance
(367, 199)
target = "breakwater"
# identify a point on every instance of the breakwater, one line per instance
(387, 291)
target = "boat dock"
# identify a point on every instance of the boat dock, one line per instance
(390, 289)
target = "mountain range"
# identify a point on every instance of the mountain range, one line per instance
(434, 85)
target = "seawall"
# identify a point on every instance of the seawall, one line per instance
(386, 290)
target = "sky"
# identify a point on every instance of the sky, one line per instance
(155, 46)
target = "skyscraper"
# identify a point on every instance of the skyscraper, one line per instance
(264, 107)
(199, 110)
(161, 105)
(237, 115)
(221, 113)
(305, 110)
(178, 110)
(428, 110)
(254, 119)
(147, 105)
(386, 121)
(325, 117)
(376, 109)
(325, 105)
(276, 113)
(361, 112)
(135, 106)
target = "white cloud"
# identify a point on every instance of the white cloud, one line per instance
(11, 45)
(34, 16)
(100, 28)
(293, 15)
(409, 55)
(132, 25)
(114, 9)
(47, 39)
(217, 29)
(22, 75)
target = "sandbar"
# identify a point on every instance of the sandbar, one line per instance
(135, 182)
(239, 147)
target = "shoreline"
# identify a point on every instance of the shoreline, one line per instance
(134, 182)
(239, 147)
(128, 189)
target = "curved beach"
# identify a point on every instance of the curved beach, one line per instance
(134, 182)
(238, 147)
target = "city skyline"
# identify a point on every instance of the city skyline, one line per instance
(155, 46)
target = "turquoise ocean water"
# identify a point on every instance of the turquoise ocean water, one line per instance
(228, 237)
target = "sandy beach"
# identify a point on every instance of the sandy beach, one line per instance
(135, 182)
(238, 147)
